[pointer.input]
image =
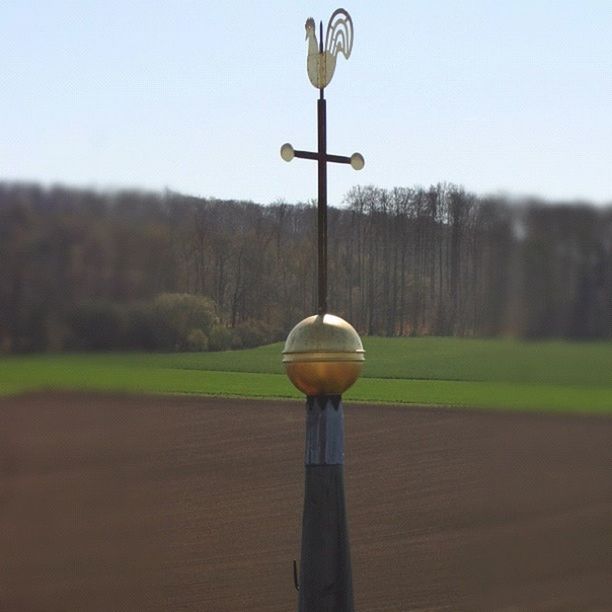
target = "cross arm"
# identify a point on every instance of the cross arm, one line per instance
(340, 159)
(355, 160)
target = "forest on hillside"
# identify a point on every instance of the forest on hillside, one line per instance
(83, 269)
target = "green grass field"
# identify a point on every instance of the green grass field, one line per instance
(556, 375)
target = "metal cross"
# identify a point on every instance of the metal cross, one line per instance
(321, 156)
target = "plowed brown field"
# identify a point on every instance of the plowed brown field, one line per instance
(147, 503)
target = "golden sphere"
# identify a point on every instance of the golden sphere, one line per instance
(323, 355)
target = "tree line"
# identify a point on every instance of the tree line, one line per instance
(403, 261)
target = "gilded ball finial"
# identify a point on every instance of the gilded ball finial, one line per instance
(323, 355)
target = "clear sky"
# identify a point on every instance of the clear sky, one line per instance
(198, 96)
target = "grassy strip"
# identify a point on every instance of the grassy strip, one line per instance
(108, 375)
(444, 371)
(515, 396)
(552, 362)
(95, 376)
(496, 360)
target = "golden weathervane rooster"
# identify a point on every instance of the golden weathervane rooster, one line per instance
(321, 62)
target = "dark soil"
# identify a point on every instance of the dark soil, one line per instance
(147, 503)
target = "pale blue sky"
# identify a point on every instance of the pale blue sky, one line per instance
(198, 97)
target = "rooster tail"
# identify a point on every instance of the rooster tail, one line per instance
(339, 35)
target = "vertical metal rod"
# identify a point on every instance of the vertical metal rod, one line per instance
(322, 195)
(321, 36)
(322, 206)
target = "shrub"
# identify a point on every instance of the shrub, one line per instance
(197, 340)
(220, 338)
(177, 315)
(170, 322)
(256, 333)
